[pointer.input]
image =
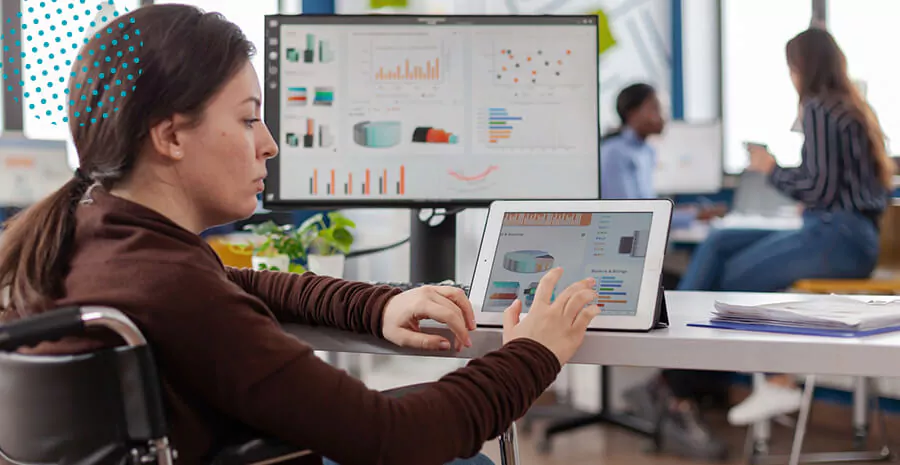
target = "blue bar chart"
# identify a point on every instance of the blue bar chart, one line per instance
(500, 125)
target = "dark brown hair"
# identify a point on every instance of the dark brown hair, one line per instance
(822, 67)
(139, 69)
(630, 99)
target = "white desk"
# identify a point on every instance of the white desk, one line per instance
(698, 231)
(679, 346)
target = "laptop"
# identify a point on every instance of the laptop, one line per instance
(754, 196)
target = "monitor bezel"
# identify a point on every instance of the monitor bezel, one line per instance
(272, 107)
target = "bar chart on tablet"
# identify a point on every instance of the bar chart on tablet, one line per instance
(616, 291)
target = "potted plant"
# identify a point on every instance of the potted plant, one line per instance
(281, 249)
(327, 243)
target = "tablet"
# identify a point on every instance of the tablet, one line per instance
(620, 243)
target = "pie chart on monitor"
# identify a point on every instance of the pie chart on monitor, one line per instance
(527, 261)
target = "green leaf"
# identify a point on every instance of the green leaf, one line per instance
(338, 220)
(342, 237)
(310, 223)
(296, 268)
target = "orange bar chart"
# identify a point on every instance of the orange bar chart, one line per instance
(430, 71)
(332, 177)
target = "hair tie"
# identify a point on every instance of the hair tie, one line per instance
(82, 176)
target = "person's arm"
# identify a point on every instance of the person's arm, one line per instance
(683, 217)
(247, 368)
(617, 176)
(317, 300)
(815, 180)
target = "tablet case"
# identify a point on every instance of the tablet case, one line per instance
(660, 317)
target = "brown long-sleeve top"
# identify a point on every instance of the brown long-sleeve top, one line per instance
(227, 365)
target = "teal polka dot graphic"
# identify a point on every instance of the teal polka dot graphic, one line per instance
(53, 31)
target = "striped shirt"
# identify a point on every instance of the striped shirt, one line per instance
(838, 171)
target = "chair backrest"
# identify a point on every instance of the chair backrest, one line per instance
(57, 409)
(889, 257)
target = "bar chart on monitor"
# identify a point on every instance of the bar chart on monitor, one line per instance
(535, 128)
(409, 66)
(360, 182)
(311, 135)
(316, 50)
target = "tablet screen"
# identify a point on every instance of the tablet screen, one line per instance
(610, 247)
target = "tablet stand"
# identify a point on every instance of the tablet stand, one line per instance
(606, 416)
(661, 319)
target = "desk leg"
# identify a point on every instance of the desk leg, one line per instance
(605, 416)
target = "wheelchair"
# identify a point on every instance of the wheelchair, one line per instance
(106, 407)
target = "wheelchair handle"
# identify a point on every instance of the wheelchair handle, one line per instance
(67, 321)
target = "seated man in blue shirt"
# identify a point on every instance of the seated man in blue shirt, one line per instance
(627, 163)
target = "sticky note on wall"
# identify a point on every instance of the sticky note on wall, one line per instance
(605, 38)
(375, 4)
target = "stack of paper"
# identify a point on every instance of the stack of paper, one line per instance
(831, 315)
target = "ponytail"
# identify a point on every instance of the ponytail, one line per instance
(35, 250)
(877, 142)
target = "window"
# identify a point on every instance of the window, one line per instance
(864, 31)
(52, 36)
(759, 100)
(247, 14)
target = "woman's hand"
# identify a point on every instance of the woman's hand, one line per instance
(444, 304)
(761, 160)
(558, 326)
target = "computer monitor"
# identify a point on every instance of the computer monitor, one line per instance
(688, 158)
(401, 110)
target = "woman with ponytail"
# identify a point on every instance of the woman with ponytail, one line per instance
(183, 149)
(36, 246)
(844, 182)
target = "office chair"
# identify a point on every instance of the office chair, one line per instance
(106, 407)
(756, 445)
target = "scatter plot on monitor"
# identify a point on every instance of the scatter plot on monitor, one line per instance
(534, 65)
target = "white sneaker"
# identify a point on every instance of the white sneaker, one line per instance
(766, 401)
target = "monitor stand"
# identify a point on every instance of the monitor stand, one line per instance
(432, 247)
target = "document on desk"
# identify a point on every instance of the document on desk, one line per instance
(822, 316)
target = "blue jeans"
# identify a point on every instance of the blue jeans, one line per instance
(479, 459)
(830, 245)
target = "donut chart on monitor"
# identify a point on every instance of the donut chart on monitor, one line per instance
(527, 261)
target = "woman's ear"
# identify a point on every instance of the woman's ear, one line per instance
(167, 137)
(164, 140)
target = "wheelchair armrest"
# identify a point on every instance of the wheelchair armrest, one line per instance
(268, 450)
(56, 324)
(48, 326)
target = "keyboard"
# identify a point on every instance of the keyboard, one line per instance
(405, 286)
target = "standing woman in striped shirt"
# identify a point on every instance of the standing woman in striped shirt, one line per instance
(844, 182)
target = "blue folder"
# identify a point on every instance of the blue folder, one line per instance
(792, 330)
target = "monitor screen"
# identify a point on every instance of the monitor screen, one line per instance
(431, 110)
(610, 247)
